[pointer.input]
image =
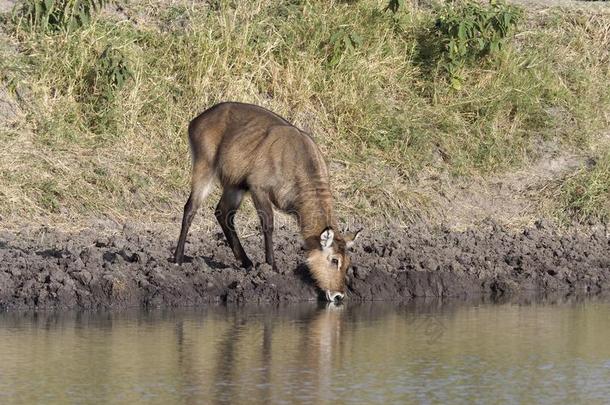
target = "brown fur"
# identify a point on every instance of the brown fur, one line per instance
(250, 149)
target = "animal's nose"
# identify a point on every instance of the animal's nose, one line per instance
(334, 296)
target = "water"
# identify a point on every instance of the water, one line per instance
(375, 353)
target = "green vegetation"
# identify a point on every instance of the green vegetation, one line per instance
(107, 99)
(586, 194)
(469, 31)
(58, 14)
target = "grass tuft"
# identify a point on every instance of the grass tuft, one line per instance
(585, 195)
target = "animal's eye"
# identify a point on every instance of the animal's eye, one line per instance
(335, 261)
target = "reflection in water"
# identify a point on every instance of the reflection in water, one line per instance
(320, 337)
(426, 351)
(225, 374)
(320, 349)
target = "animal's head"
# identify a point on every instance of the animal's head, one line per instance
(328, 262)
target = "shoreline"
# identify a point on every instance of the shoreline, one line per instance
(102, 268)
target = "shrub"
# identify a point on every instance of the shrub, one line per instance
(109, 74)
(394, 5)
(105, 79)
(469, 31)
(342, 41)
(56, 15)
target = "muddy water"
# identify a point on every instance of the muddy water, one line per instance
(423, 352)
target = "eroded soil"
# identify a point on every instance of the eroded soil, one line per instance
(130, 266)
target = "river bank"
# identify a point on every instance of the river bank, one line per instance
(118, 266)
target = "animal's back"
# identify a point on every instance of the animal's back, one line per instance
(222, 122)
(250, 146)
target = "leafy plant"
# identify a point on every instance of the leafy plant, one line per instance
(109, 74)
(470, 31)
(394, 5)
(107, 77)
(56, 15)
(341, 42)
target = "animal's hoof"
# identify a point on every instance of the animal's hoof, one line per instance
(264, 267)
(247, 264)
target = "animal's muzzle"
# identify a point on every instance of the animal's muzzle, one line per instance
(334, 296)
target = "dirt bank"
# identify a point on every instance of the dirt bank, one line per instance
(129, 266)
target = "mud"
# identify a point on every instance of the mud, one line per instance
(130, 266)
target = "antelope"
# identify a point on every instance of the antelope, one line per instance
(251, 149)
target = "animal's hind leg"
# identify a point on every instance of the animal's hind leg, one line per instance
(265, 214)
(200, 187)
(225, 214)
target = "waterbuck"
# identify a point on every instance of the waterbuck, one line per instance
(251, 149)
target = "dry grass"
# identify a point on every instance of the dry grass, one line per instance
(385, 121)
(585, 195)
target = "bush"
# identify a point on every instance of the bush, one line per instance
(342, 42)
(469, 31)
(108, 75)
(105, 79)
(56, 15)
(394, 5)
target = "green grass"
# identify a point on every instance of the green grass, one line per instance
(350, 73)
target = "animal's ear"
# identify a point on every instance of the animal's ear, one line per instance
(351, 237)
(326, 238)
